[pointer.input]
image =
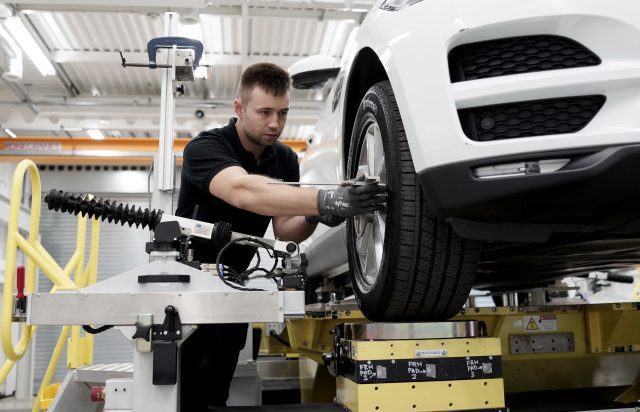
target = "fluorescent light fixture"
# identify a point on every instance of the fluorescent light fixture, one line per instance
(95, 134)
(10, 133)
(54, 28)
(22, 36)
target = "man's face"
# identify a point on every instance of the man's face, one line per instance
(263, 116)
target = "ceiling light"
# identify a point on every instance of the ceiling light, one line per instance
(190, 17)
(22, 36)
(10, 133)
(95, 134)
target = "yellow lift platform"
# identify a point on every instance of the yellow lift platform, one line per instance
(582, 357)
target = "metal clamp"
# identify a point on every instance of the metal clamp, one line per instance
(168, 43)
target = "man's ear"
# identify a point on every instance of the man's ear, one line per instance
(237, 108)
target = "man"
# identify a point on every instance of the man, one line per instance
(225, 177)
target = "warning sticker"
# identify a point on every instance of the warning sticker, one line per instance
(532, 324)
(540, 323)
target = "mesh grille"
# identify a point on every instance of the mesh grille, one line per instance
(530, 118)
(517, 55)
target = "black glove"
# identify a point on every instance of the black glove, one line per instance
(328, 220)
(348, 201)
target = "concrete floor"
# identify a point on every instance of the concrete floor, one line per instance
(10, 404)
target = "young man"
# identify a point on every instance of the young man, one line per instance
(225, 174)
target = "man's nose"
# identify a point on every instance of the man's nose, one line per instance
(273, 121)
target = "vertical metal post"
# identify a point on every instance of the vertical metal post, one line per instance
(164, 163)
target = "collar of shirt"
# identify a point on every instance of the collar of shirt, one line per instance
(267, 154)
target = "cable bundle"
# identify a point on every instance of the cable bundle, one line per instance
(104, 209)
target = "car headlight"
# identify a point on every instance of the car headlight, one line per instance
(395, 5)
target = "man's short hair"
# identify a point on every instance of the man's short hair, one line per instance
(270, 77)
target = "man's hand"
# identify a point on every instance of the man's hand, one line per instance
(327, 220)
(348, 201)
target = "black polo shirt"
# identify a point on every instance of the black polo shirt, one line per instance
(206, 155)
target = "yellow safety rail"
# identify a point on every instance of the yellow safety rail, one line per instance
(80, 350)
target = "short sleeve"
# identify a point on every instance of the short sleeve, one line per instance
(293, 167)
(206, 156)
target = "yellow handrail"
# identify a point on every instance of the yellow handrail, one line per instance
(80, 348)
(13, 240)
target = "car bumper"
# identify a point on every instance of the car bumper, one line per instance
(594, 192)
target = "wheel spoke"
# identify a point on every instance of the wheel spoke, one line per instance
(378, 238)
(371, 150)
(371, 271)
(378, 155)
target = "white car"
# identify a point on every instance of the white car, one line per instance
(507, 133)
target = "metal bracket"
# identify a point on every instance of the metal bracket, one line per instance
(168, 43)
(171, 328)
(165, 348)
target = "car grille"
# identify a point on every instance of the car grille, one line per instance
(517, 55)
(530, 118)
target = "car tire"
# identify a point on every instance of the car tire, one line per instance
(415, 268)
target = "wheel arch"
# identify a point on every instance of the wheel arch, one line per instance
(367, 70)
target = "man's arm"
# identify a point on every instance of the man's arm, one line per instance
(292, 228)
(254, 193)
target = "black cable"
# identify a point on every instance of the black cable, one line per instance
(91, 330)
(220, 271)
(255, 268)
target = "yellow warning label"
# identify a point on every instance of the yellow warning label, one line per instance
(532, 324)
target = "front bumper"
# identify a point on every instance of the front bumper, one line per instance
(594, 192)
